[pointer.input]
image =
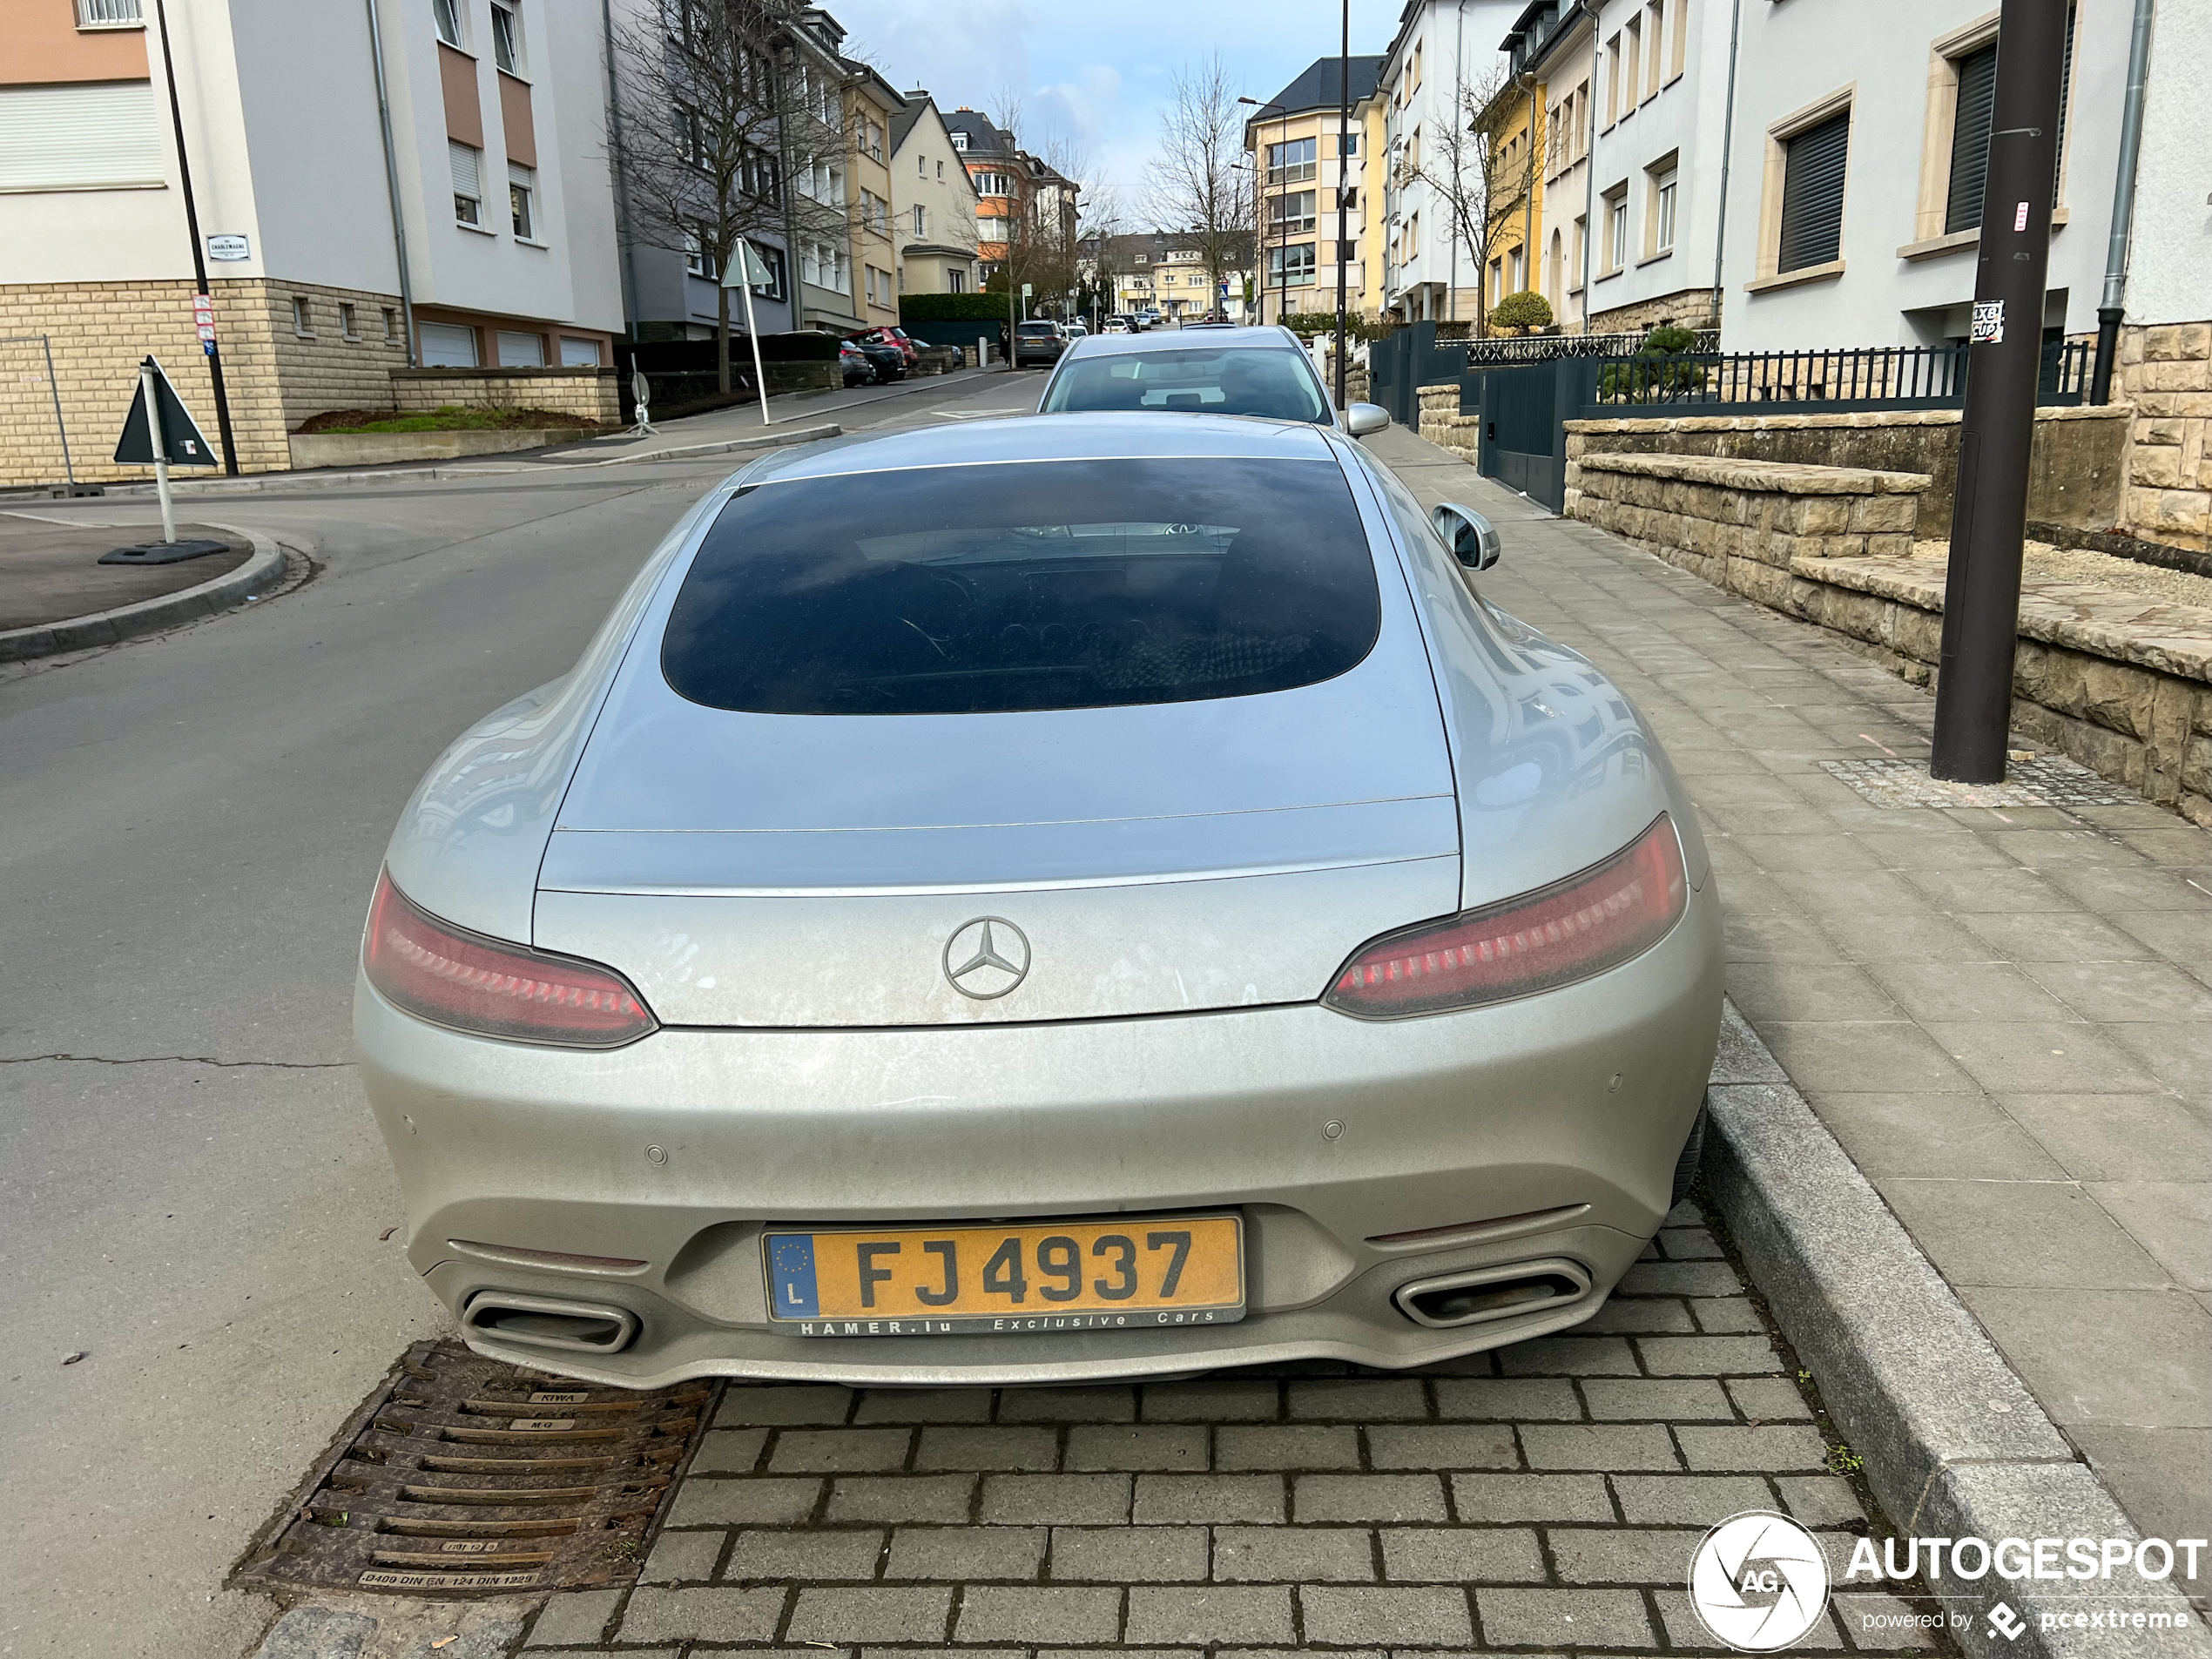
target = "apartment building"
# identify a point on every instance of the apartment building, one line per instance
(1164, 271)
(1443, 65)
(1299, 165)
(1633, 94)
(871, 109)
(1025, 207)
(932, 200)
(992, 160)
(1512, 132)
(488, 242)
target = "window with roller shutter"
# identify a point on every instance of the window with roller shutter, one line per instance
(1813, 194)
(1970, 138)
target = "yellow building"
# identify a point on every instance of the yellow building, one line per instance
(871, 108)
(1512, 127)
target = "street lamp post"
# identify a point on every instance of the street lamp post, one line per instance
(1343, 172)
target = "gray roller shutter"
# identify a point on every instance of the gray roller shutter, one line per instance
(101, 135)
(1970, 138)
(1813, 194)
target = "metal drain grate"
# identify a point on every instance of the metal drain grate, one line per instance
(2043, 780)
(467, 1473)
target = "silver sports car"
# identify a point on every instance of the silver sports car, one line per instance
(1052, 899)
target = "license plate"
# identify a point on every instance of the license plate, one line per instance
(1131, 1274)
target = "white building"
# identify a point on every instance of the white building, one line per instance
(933, 202)
(1441, 53)
(1872, 118)
(497, 190)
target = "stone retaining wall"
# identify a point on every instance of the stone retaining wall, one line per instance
(589, 392)
(2121, 684)
(2078, 471)
(2165, 371)
(1443, 425)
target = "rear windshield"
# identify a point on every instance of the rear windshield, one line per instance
(1272, 383)
(1040, 585)
(1037, 327)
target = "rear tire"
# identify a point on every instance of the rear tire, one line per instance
(1693, 1155)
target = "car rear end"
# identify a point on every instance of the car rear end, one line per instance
(973, 947)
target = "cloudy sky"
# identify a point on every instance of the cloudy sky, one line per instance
(1095, 86)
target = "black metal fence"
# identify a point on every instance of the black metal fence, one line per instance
(1876, 377)
(1537, 348)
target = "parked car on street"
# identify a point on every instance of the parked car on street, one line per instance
(853, 362)
(894, 337)
(1043, 901)
(1040, 342)
(885, 362)
(1118, 325)
(1207, 368)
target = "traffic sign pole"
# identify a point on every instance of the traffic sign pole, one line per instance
(160, 449)
(199, 262)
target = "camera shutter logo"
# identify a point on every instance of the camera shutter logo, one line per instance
(1759, 1582)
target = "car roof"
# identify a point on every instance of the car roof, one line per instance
(1213, 338)
(1110, 437)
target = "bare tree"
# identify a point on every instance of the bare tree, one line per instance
(1483, 181)
(1197, 188)
(730, 128)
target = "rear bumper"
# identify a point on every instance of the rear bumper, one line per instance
(676, 1151)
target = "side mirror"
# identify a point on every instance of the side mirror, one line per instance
(1362, 418)
(1473, 539)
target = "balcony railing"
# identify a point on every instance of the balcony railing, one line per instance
(1297, 174)
(109, 14)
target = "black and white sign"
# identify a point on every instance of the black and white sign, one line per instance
(1989, 322)
(229, 247)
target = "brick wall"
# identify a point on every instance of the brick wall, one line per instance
(97, 332)
(2165, 372)
(1690, 308)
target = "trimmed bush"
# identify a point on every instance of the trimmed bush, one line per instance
(1658, 371)
(1324, 322)
(951, 307)
(1522, 311)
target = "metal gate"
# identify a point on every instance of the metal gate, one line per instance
(1524, 411)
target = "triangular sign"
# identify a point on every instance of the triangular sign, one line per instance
(179, 432)
(752, 271)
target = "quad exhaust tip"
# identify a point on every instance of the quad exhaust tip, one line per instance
(1482, 1294)
(547, 1322)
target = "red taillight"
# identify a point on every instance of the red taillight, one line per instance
(1584, 926)
(444, 975)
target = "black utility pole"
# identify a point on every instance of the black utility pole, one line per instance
(1344, 172)
(199, 253)
(1989, 517)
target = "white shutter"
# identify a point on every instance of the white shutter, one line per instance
(464, 169)
(101, 134)
(447, 345)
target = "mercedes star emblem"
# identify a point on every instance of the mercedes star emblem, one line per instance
(987, 958)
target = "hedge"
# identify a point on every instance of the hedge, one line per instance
(951, 307)
(698, 356)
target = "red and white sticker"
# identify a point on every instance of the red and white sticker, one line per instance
(2020, 217)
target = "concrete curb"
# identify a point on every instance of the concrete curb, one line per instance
(261, 572)
(1955, 1444)
(268, 483)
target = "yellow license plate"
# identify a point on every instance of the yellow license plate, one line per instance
(1131, 1274)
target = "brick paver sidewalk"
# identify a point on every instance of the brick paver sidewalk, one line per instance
(1549, 1494)
(2004, 1014)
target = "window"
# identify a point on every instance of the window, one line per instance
(1970, 138)
(1291, 215)
(1654, 32)
(80, 136)
(991, 184)
(109, 14)
(303, 320)
(1634, 46)
(346, 327)
(1417, 66)
(1612, 80)
(699, 254)
(959, 141)
(521, 186)
(1813, 194)
(1352, 197)
(518, 350)
(579, 354)
(1616, 229)
(1497, 281)
(1411, 240)
(1053, 585)
(955, 282)
(1292, 163)
(1350, 144)
(391, 323)
(1681, 36)
(1659, 207)
(1517, 271)
(467, 191)
(921, 220)
(940, 171)
(1582, 250)
(506, 38)
(446, 14)
(447, 345)
(772, 258)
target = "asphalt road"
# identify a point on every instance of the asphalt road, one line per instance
(192, 1197)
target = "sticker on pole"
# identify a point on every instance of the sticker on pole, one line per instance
(180, 435)
(1989, 322)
